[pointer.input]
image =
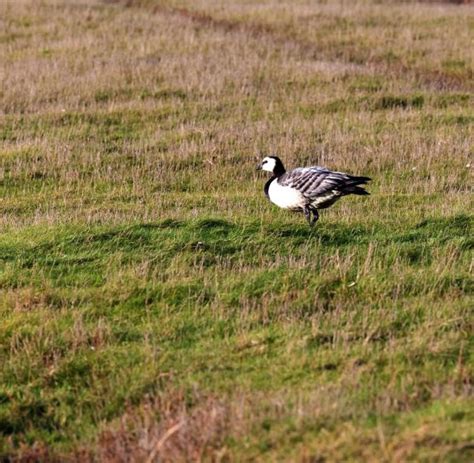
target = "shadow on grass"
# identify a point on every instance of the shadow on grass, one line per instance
(168, 223)
(222, 237)
(442, 229)
(212, 224)
(336, 235)
(459, 225)
(218, 232)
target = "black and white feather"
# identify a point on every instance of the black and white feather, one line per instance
(307, 189)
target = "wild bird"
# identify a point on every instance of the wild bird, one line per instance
(308, 189)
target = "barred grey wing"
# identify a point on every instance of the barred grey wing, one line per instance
(314, 182)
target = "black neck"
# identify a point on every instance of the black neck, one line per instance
(267, 185)
(279, 168)
(278, 172)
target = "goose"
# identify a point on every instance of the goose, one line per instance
(308, 189)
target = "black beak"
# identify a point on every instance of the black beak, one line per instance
(259, 167)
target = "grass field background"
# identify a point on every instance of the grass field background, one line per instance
(155, 306)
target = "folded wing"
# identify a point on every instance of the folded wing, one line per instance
(322, 187)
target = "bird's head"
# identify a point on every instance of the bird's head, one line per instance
(272, 164)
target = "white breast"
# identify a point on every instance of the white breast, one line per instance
(285, 196)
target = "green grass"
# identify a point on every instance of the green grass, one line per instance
(152, 300)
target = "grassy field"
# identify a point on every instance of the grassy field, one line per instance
(155, 307)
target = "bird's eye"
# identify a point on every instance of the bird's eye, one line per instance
(264, 162)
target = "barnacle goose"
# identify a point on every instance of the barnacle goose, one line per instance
(307, 189)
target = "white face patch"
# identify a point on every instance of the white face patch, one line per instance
(268, 164)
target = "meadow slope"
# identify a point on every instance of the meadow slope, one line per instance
(154, 305)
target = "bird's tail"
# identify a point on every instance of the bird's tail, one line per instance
(356, 190)
(352, 186)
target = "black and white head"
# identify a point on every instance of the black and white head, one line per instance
(272, 164)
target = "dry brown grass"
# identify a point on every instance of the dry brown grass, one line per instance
(177, 426)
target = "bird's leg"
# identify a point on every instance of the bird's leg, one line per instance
(315, 217)
(307, 214)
